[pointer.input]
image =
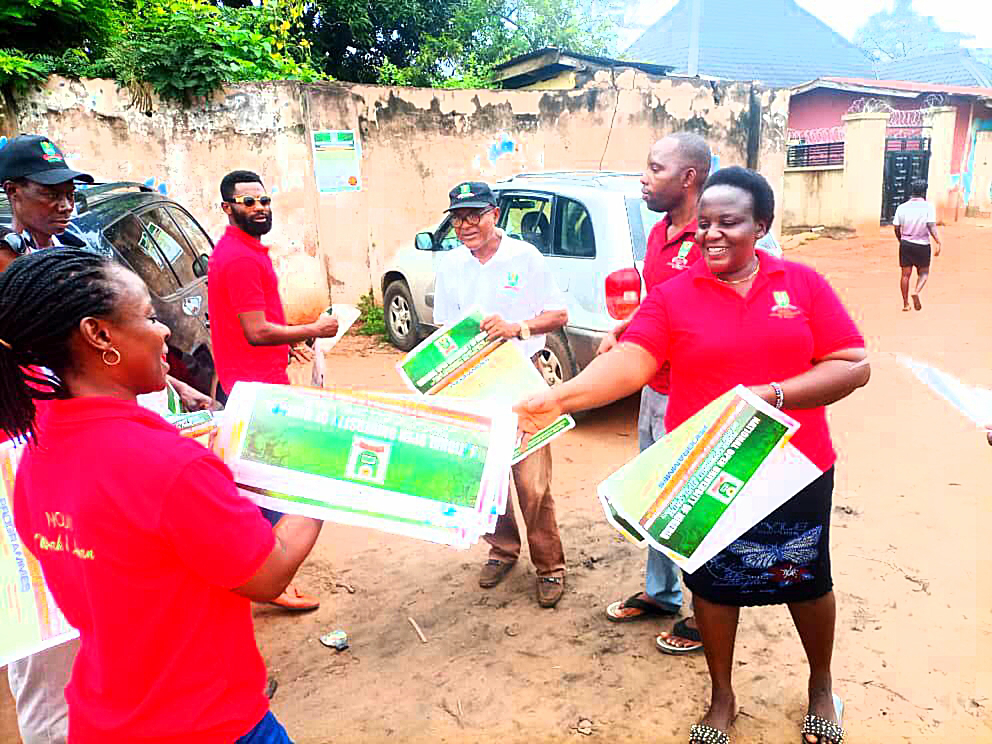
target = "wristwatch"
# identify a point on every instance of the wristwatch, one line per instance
(524, 331)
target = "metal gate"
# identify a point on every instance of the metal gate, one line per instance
(906, 159)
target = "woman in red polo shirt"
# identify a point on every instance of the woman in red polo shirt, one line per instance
(146, 544)
(741, 317)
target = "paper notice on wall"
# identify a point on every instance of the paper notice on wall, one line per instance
(30, 621)
(337, 156)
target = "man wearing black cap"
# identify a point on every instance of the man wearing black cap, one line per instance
(509, 280)
(41, 189)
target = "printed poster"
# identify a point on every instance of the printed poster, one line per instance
(704, 484)
(30, 621)
(973, 402)
(337, 157)
(460, 362)
(391, 462)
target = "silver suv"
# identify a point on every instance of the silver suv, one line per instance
(591, 226)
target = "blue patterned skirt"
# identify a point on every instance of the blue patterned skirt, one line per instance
(784, 558)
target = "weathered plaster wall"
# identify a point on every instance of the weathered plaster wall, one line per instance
(416, 144)
(814, 196)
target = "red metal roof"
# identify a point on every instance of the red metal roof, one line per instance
(956, 90)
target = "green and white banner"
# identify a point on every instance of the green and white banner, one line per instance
(431, 470)
(706, 483)
(460, 361)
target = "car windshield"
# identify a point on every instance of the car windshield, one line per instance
(641, 221)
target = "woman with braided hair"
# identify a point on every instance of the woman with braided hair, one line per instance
(144, 541)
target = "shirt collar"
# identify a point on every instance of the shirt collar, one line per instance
(236, 233)
(687, 233)
(767, 265)
(80, 410)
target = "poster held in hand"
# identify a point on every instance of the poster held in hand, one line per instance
(346, 315)
(30, 621)
(460, 361)
(707, 482)
(426, 469)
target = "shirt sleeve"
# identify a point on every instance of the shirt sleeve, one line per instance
(218, 533)
(897, 217)
(445, 303)
(650, 327)
(245, 286)
(832, 326)
(931, 214)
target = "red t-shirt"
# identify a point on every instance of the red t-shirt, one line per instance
(241, 279)
(716, 339)
(666, 259)
(141, 535)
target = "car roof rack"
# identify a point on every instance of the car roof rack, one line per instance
(576, 174)
(88, 192)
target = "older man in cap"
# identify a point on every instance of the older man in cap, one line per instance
(41, 189)
(510, 281)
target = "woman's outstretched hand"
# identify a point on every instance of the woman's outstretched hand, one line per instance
(536, 412)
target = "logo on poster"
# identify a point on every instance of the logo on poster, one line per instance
(368, 460)
(725, 487)
(446, 346)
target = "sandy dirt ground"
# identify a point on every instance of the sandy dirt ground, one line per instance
(910, 554)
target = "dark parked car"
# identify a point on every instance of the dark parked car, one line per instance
(165, 245)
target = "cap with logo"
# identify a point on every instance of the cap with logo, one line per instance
(471, 195)
(37, 158)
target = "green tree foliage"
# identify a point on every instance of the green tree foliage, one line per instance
(902, 32)
(452, 43)
(186, 49)
(53, 26)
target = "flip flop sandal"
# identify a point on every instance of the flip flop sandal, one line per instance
(823, 729)
(700, 733)
(644, 610)
(682, 630)
(916, 302)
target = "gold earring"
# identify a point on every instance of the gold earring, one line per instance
(116, 361)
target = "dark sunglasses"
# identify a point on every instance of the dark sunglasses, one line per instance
(249, 201)
(18, 243)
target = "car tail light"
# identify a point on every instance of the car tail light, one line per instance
(623, 293)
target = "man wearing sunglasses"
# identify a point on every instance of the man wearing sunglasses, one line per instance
(251, 340)
(509, 280)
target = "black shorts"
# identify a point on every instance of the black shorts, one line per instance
(914, 254)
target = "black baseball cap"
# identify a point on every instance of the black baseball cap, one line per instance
(471, 195)
(37, 158)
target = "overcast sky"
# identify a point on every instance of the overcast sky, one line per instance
(847, 16)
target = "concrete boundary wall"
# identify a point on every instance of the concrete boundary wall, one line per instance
(416, 144)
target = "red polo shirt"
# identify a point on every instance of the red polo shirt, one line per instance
(716, 339)
(241, 280)
(141, 535)
(667, 259)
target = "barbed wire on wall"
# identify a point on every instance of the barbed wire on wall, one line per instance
(820, 136)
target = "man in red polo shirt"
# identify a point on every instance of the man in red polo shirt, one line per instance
(251, 341)
(676, 170)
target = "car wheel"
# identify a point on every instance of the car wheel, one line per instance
(555, 360)
(402, 323)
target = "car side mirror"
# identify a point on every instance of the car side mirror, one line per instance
(424, 241)
(200, 265)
